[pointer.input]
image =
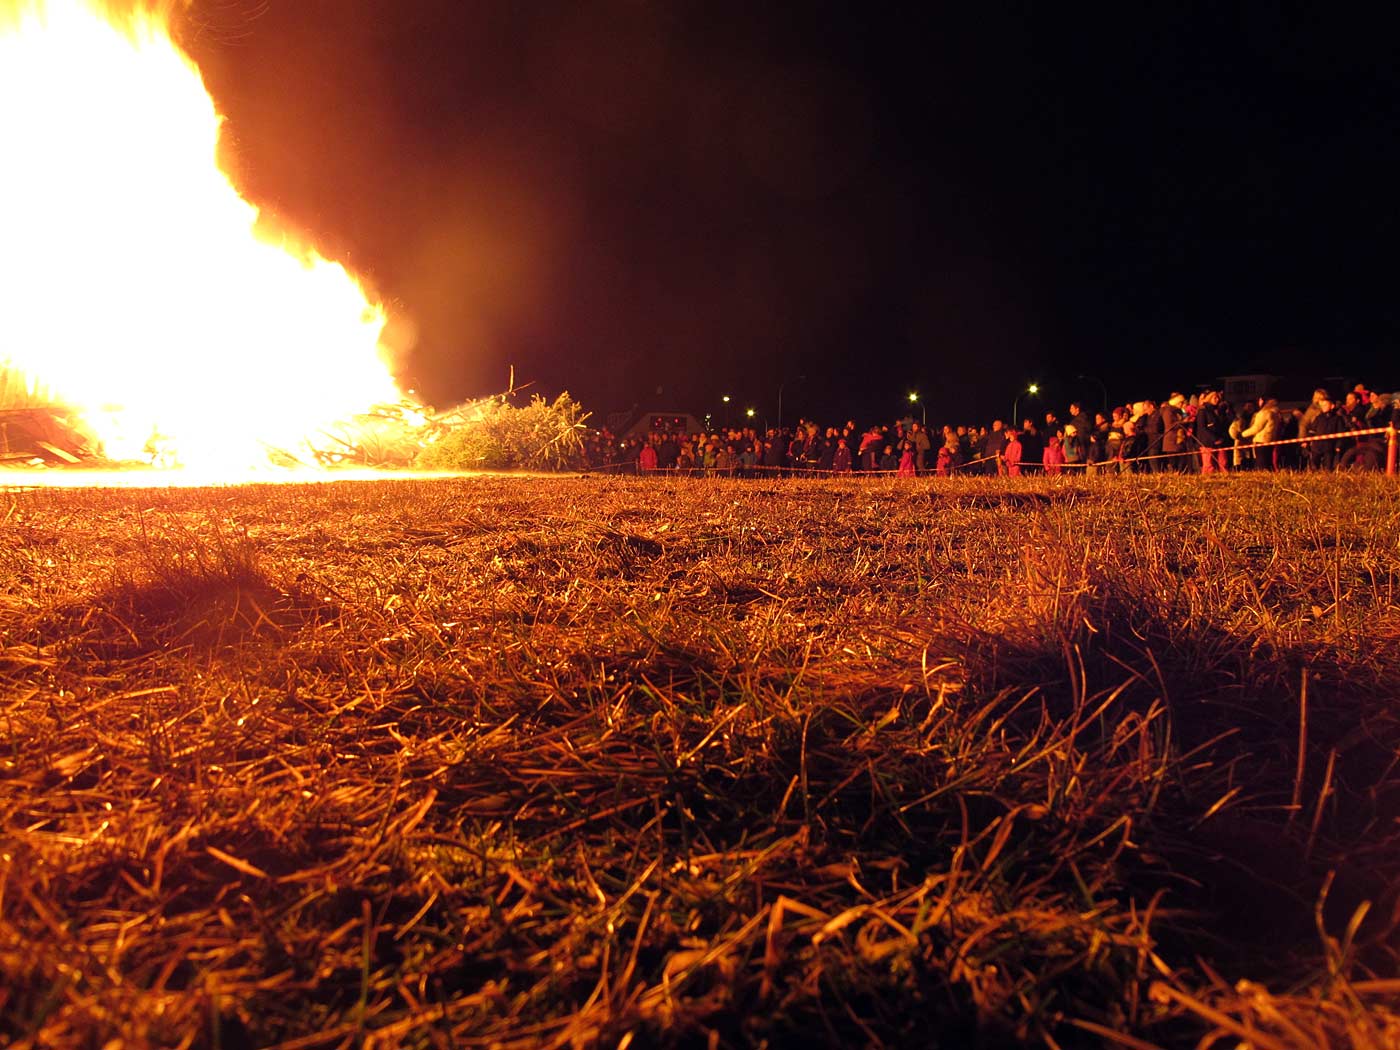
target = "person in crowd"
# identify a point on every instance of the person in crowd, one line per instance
(646, 458)
(995, 447)
(1314, 409)
(1263, 428)
(1115, 439)
(668, 451)
(1212, 432)
(870, 448)
(1292, 456)
(906, 459)
(1243, 459)
(1327, 424)
(1132, 440)
(1173, 434)
(943, 463)
(888, 461)
(1011, 454)
(957, 452)
(813, 448)
(841, 460)
(1098, 444)
(773, 461)
(1080, 419)
(797, 448)
(851, 436)
(1083, 431)
(1149, 428)
(923, 445)
(1311, 453)
(1383, 410)
(1353, 410)
(1032, 447)
(1074, 447)
(709, 456)
(1053, 458)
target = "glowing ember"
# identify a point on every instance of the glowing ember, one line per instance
(138, 286)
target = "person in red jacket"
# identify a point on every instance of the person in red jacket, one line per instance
(1011, 454)
(1053, 458)
(906, 459)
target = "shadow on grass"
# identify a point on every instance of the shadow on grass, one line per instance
(207, 593)
(1268, 849)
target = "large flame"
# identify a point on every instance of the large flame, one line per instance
(135, 283)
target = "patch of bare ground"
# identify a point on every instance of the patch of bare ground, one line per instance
(583, 761)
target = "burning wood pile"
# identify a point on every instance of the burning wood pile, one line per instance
(258, 350)
(33, 429)
(490, 433)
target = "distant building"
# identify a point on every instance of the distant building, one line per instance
(663, 422)
(1239, 389)
(1291, 391)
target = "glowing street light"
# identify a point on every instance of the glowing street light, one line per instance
(748, 412)
(1031, 390)
(914, 400)
(725, 399)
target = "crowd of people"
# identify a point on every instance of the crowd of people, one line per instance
(1202, 434)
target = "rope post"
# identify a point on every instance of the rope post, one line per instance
(1390, 450)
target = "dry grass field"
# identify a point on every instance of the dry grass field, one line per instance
(579, 761)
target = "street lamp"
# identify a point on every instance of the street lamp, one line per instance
(1031, 390)
(914, 400)
(748, 412)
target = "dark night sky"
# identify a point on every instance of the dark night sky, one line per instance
(656, 203)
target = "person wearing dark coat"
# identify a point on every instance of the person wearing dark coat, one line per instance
(995, 445)
(1032, 448)
(1150, 427)
(668, 452)
(1173, 439)
(841, 459)
(797, 448)
(773, 457)
(1083, 431)
(1212, 433)
(1328, 423)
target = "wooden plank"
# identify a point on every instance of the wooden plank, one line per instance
(62, 454)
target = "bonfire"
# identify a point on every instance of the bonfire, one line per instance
(169, 317)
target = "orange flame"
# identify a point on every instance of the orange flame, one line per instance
(135, 282)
